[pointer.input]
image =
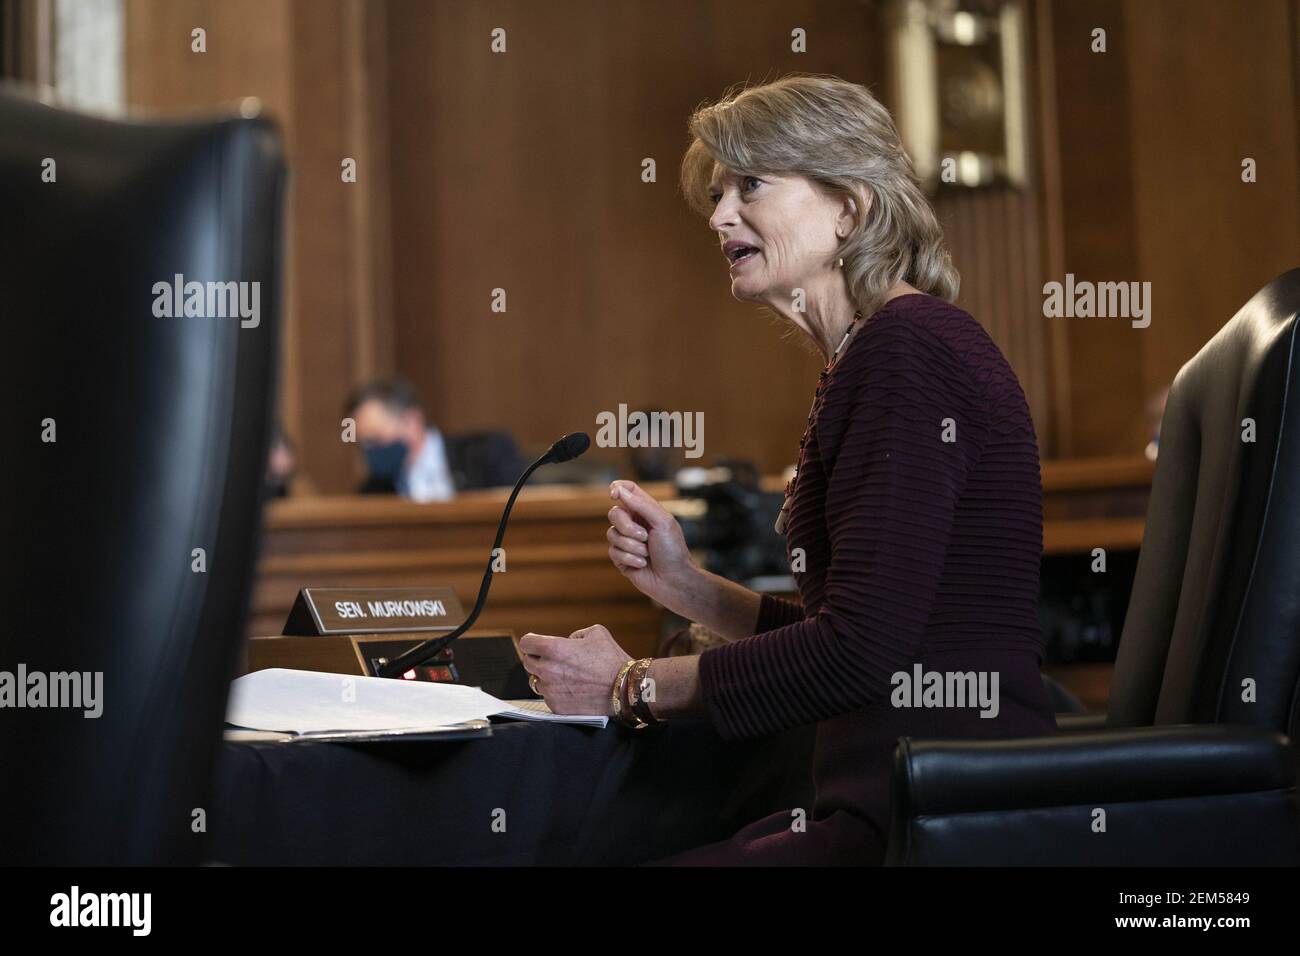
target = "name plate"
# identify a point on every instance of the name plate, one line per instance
(319, 611)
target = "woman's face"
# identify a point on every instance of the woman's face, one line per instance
(778, 232)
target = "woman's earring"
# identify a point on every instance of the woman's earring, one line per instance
(839, 263)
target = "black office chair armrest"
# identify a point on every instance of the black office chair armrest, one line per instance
(1080, 723)
(1184, 795)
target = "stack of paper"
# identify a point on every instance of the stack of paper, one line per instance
(312, 703)
(537, 710)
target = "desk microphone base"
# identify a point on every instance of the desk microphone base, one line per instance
(486, 658)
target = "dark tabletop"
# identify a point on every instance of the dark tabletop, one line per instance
(531, 794)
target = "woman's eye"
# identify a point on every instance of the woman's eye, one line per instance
(751, 179)
(714, 197)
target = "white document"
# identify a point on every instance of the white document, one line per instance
(537, 710)
(306, 702)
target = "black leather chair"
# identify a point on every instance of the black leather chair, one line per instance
(1192, 765)
(487, 459)
(161, 428)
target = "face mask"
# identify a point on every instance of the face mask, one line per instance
(385, 461)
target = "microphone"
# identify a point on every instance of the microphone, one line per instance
(566, 449)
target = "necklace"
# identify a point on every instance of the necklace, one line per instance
(783, 518)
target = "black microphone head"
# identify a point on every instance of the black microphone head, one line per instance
(569, 447)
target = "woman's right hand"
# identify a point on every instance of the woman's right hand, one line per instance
(646, 544)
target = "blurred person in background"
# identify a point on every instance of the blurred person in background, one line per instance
(281, 464)
(407, 455)
(404, 454)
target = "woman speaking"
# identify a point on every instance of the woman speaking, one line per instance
(914, 518)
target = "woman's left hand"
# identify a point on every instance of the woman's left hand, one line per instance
(576, 673)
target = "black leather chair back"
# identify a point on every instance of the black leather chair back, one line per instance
(483, 460)
(1215, 609)
(161, 427)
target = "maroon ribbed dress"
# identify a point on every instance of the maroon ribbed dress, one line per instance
(916, 549)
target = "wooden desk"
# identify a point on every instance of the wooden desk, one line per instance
(1110, 491)
(558, 577)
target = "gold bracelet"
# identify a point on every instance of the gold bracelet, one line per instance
(633, 690)
(628, 718)
(640, 705)
(616, 692)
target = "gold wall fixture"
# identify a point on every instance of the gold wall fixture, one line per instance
(959, 77)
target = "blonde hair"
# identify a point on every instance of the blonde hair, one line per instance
(837, 135)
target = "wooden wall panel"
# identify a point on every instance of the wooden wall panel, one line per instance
(521, 171)
(993, 235)
(315, 68)
(246, 45)
(1096, 201)
(1145, 157)
(1205, 240)
(341, 248)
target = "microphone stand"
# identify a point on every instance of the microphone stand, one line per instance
(429, 649)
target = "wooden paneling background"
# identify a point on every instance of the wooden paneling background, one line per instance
(1144, 160)
(522, 171)
(993, 235)
(318, 68)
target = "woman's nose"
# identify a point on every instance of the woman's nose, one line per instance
(724, 215)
